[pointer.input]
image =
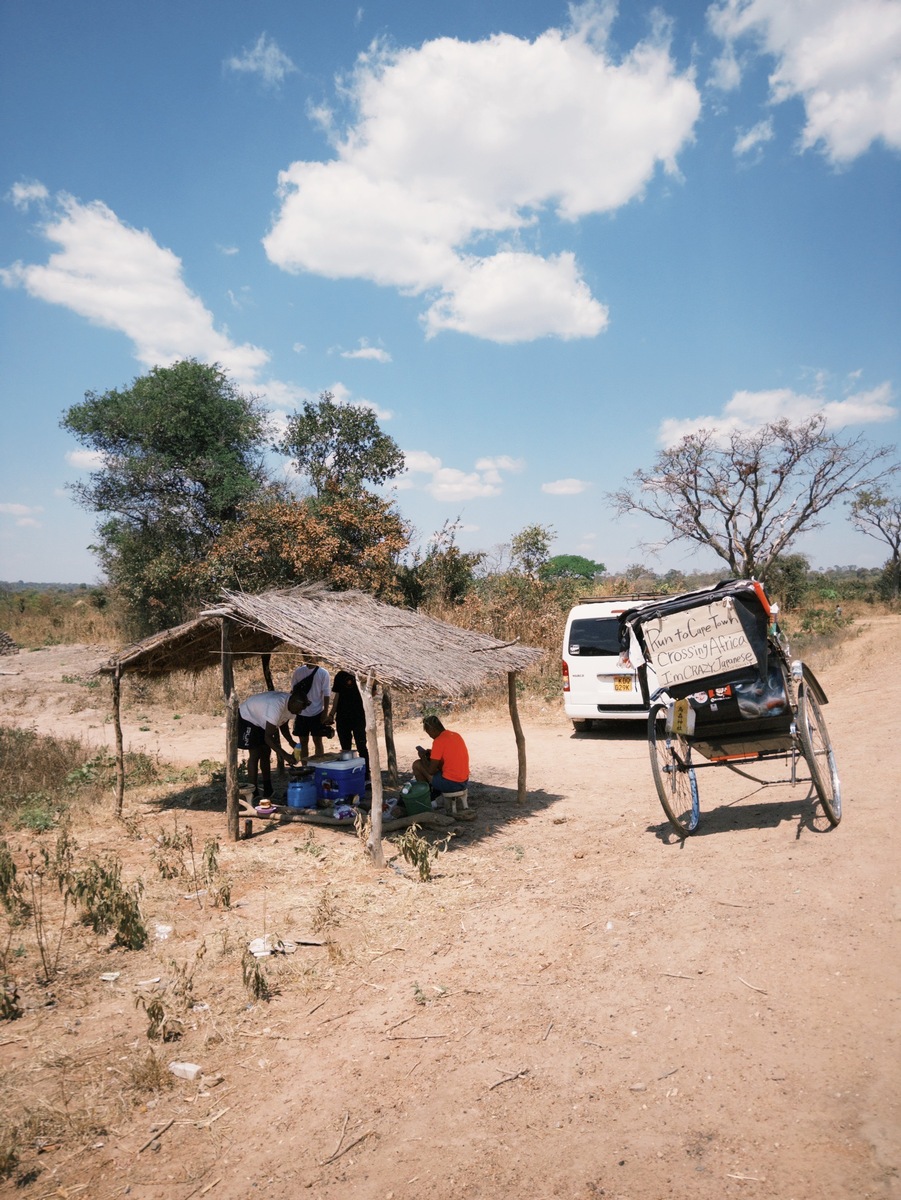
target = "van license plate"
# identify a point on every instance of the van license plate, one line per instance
(622, 683)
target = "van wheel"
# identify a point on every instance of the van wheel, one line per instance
(581, 726)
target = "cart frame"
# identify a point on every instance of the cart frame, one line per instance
(716, 674)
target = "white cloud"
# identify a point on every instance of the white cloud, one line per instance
(752, 139)
(383, 414)
(565, 487)
(241, 299)
(342, 394)
(228, 250)
(726, 72)
(84, 460)
(17, 510)
(451, 483)
(265, 59)
(502, 462)
(456, 152)
(365, 351)
(491, 467)
(25, 515)
(23, 194)
(516, 298)
(421, 461)
(120, 278)
(281, 394)
(749, 410)
(842, 58)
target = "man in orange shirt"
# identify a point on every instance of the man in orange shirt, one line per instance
(445, 768)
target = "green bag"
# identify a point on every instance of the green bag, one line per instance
(416, 797)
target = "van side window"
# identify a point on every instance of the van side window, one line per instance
(594, 635)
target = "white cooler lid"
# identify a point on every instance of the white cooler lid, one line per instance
(340, 764)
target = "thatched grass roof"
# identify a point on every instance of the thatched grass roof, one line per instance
(194, 646)
(396, 647)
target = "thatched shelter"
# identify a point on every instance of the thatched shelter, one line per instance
(387, 649)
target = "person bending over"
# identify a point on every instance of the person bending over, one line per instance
(262, 720)
(445, 768)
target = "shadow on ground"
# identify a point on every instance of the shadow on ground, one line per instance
(493, 808)
(613, 731)
(744, 814)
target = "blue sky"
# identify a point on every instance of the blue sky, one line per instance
(539, 240)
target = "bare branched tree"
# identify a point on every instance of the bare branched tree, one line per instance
(879, 515)
(748, 495)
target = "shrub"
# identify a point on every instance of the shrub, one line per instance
(108, 904)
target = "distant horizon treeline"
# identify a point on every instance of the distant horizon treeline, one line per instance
(506, 603)
(603, 578)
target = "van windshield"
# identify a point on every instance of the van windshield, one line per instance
(594, 635)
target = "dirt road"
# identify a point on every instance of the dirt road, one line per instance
(578, 1005)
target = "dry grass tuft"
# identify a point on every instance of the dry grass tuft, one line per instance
(327, 915)
(148, 1073)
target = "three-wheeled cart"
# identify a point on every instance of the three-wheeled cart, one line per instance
(715, 672)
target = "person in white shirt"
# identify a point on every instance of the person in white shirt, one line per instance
(311, 721)
(263, 720)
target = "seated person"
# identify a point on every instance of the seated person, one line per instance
(261, 719)
(314, 681)
(446, 767)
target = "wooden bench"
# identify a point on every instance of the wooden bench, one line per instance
(453, 799)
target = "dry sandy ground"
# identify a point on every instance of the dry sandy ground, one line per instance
(578, 1005)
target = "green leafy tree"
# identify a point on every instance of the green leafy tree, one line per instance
(878, 515)
(340, 447)
(530, 549)
(181, 455)
(748, 495)
(445, 574)
(571, 566)
(787, 579)
(889, 585)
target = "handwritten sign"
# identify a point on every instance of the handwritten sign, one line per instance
(697, 643)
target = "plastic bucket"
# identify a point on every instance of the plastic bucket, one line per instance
(302, 793)
(417, 798)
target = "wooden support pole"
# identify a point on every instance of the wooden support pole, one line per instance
(120, 747)
(231, 733)
(390, 748)
(520, 737)
(266, 659)
(368, 689)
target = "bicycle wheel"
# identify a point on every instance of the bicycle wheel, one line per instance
(818, 751)
(674, 776)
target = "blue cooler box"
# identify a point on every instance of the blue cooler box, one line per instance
(341, 779)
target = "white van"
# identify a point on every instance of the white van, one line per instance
(599, 682)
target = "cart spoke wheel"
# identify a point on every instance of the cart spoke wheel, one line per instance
(818, 751)
(674, 776)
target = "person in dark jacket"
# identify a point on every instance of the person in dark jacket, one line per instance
(348, 715)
